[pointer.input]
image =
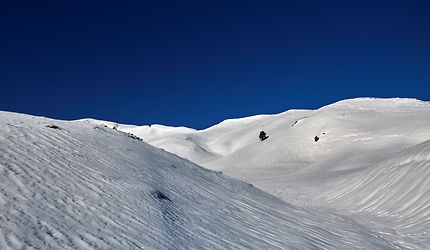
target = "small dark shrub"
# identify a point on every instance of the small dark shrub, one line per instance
(53, 126)
(134, 137)
(263, 136)
(316, 138)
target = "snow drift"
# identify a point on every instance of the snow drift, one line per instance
(81, 185)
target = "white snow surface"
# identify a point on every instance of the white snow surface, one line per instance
(370, 164)
(82, 185)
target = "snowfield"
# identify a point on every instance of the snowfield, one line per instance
(371, 163)
(81, 185)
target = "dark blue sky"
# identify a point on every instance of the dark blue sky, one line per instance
(195, 63)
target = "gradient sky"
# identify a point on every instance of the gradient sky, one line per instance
(196, 63)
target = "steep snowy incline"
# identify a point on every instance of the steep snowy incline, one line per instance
(351, 169)
(77, 185)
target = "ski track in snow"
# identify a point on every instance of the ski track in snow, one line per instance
(371, 163)
(86, 186)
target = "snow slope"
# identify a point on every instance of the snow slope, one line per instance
(366, 165)
(80, 185)
(394, 193)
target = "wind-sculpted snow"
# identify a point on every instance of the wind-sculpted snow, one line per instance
(80, 185)
(366, 164)
(396, 191)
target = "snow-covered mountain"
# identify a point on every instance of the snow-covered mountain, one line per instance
(371, 161)
(81, 185)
